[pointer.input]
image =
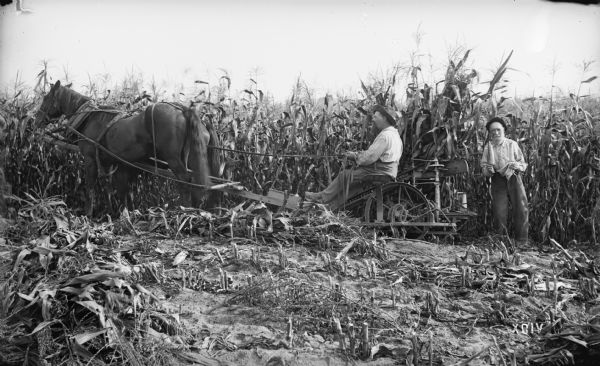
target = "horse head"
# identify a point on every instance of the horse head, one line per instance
(50, 107)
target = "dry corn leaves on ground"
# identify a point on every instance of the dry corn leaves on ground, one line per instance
(250, 286)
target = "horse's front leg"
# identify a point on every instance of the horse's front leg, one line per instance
(178, 168)
(122, 179)
(91, 174)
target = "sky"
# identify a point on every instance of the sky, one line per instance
(330, 45)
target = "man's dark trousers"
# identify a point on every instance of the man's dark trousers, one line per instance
(502, 190)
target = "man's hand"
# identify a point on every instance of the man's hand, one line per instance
(488, 170)
(514, 165)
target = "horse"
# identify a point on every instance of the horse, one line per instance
(164, 131)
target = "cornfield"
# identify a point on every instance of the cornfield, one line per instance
(298, 143)
(132, 288)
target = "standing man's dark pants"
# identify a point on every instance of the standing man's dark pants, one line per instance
(502, 189)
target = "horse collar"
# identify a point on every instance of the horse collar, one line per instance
(81, 114)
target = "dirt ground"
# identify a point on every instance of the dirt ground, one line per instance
(434, 314)
(253, 287)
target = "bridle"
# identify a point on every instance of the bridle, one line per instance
(42, 114)
(45, 113)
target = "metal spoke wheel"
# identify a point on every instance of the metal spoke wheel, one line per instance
(402, 203)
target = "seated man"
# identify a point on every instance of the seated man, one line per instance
(382, 157)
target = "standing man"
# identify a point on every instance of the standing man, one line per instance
(503, 160)
(382, 157)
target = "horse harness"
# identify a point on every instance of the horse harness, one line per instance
(81, 115)
(89, 107)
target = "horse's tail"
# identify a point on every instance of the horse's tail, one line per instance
(214, 154)
(198, 149)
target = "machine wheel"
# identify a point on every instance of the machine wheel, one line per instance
(401, 203)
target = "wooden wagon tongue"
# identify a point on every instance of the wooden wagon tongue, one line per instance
(273, 197)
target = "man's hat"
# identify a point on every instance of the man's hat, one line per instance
(496, 119)
(384, 112)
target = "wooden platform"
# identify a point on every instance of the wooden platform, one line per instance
(274, 197)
